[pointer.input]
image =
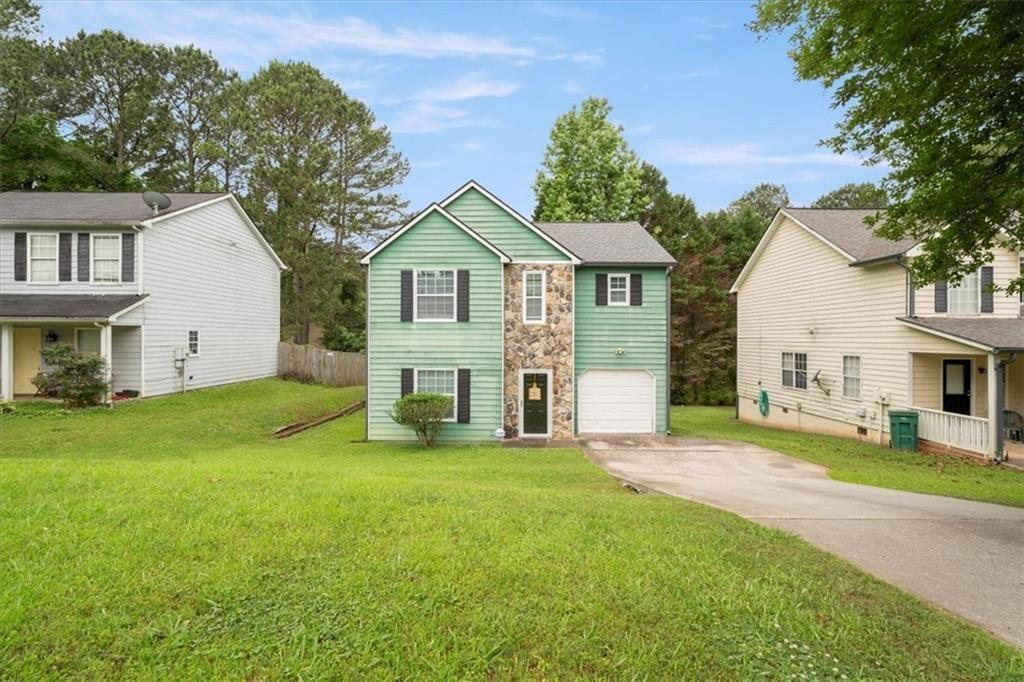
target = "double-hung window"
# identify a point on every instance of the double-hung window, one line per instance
(965, 297)
(435, 295)
(193, 342)
(851, 376)
(618, 289)
(794, 370)
(534, 297)
(106, 258)
(42, 257)
(437, 381)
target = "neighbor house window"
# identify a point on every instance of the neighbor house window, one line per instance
(437, 381)
(618, 289)
(533, 296)
(42, 257)
(965, 297)
(106, 258)
(87, 341)
(851, 376)
(193, 342)
(435, 295)
(794, 370)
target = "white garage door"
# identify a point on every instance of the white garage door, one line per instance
(616, 401)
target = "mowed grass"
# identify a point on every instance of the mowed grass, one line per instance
(856, 462)
(170, 538)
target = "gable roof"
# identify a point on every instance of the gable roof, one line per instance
(625, 243)
(90, 208)
(433, 208)
(842, 230)
(473, 184)
(845, 228)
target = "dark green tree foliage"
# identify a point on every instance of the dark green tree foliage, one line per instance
(589, 171)
(936, 91)
(307, 181)
(764, 200)
(854, 195)
(79, 379)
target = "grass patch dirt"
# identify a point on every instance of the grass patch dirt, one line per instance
(173, 538)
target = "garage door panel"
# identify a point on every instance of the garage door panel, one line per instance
(616, 401)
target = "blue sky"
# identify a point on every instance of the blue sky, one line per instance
(471, 90)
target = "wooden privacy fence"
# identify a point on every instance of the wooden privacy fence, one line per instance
(330, 367)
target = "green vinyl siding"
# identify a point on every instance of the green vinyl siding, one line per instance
(640, 330)
(435, 242)
(496, 225)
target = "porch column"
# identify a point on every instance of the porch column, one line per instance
(7, 362)
(995, 407)
(106, 352)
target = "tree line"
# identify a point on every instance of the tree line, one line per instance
(311, 165)
(590, 173)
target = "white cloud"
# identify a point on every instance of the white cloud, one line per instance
(744, 154)
(470, 86)
(472, 146)
(560, 10)
(641, 129)
(573, 88)
(426, 117)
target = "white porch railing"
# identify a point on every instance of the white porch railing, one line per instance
(953, 430)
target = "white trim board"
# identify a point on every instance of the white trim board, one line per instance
(473, 184)
(365, 260)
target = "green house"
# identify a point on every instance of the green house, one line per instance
(537, 330)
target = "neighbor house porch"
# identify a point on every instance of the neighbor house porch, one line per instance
(27, 327)
(972, 401)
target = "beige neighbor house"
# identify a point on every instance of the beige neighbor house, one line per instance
(831, 330)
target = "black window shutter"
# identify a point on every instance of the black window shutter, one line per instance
(462, 304)
(83, 256)
(128, 257)
(406, 381)
(20, 257)
(636, 289)
(64, 257)
(602, 288)
(987, 302)
(940, 297)
(406, 296)
(464, 396)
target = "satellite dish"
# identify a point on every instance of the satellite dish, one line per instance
(817, 377)
(156, 201)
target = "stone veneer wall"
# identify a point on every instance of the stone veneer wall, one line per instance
(540, 346)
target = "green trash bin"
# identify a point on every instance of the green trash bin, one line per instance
(903, 430)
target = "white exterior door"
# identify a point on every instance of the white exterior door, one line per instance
(616, 401)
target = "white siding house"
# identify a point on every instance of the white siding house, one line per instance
(823, 297)
(181, 299)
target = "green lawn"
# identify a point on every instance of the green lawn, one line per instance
(170, 538)
(855, 462)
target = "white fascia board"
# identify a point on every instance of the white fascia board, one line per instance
(472, 184)
(365, 260)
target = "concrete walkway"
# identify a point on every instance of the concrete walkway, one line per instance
(965, 557)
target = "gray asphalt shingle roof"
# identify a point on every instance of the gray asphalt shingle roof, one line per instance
(609, 243)
(999, 333)
(845, 228)
(86, 208)
(85, 306)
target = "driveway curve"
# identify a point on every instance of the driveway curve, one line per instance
(965, 557)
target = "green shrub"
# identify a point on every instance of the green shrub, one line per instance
(79, 379)
(7, 407)
(344, 339)
(423, 413)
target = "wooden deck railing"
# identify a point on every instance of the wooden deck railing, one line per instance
(953, 430)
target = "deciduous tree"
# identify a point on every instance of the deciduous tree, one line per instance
(935, 91)
(854, 195)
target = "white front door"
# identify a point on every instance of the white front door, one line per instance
(616, 401)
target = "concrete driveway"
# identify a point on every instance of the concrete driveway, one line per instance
(965, 557)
